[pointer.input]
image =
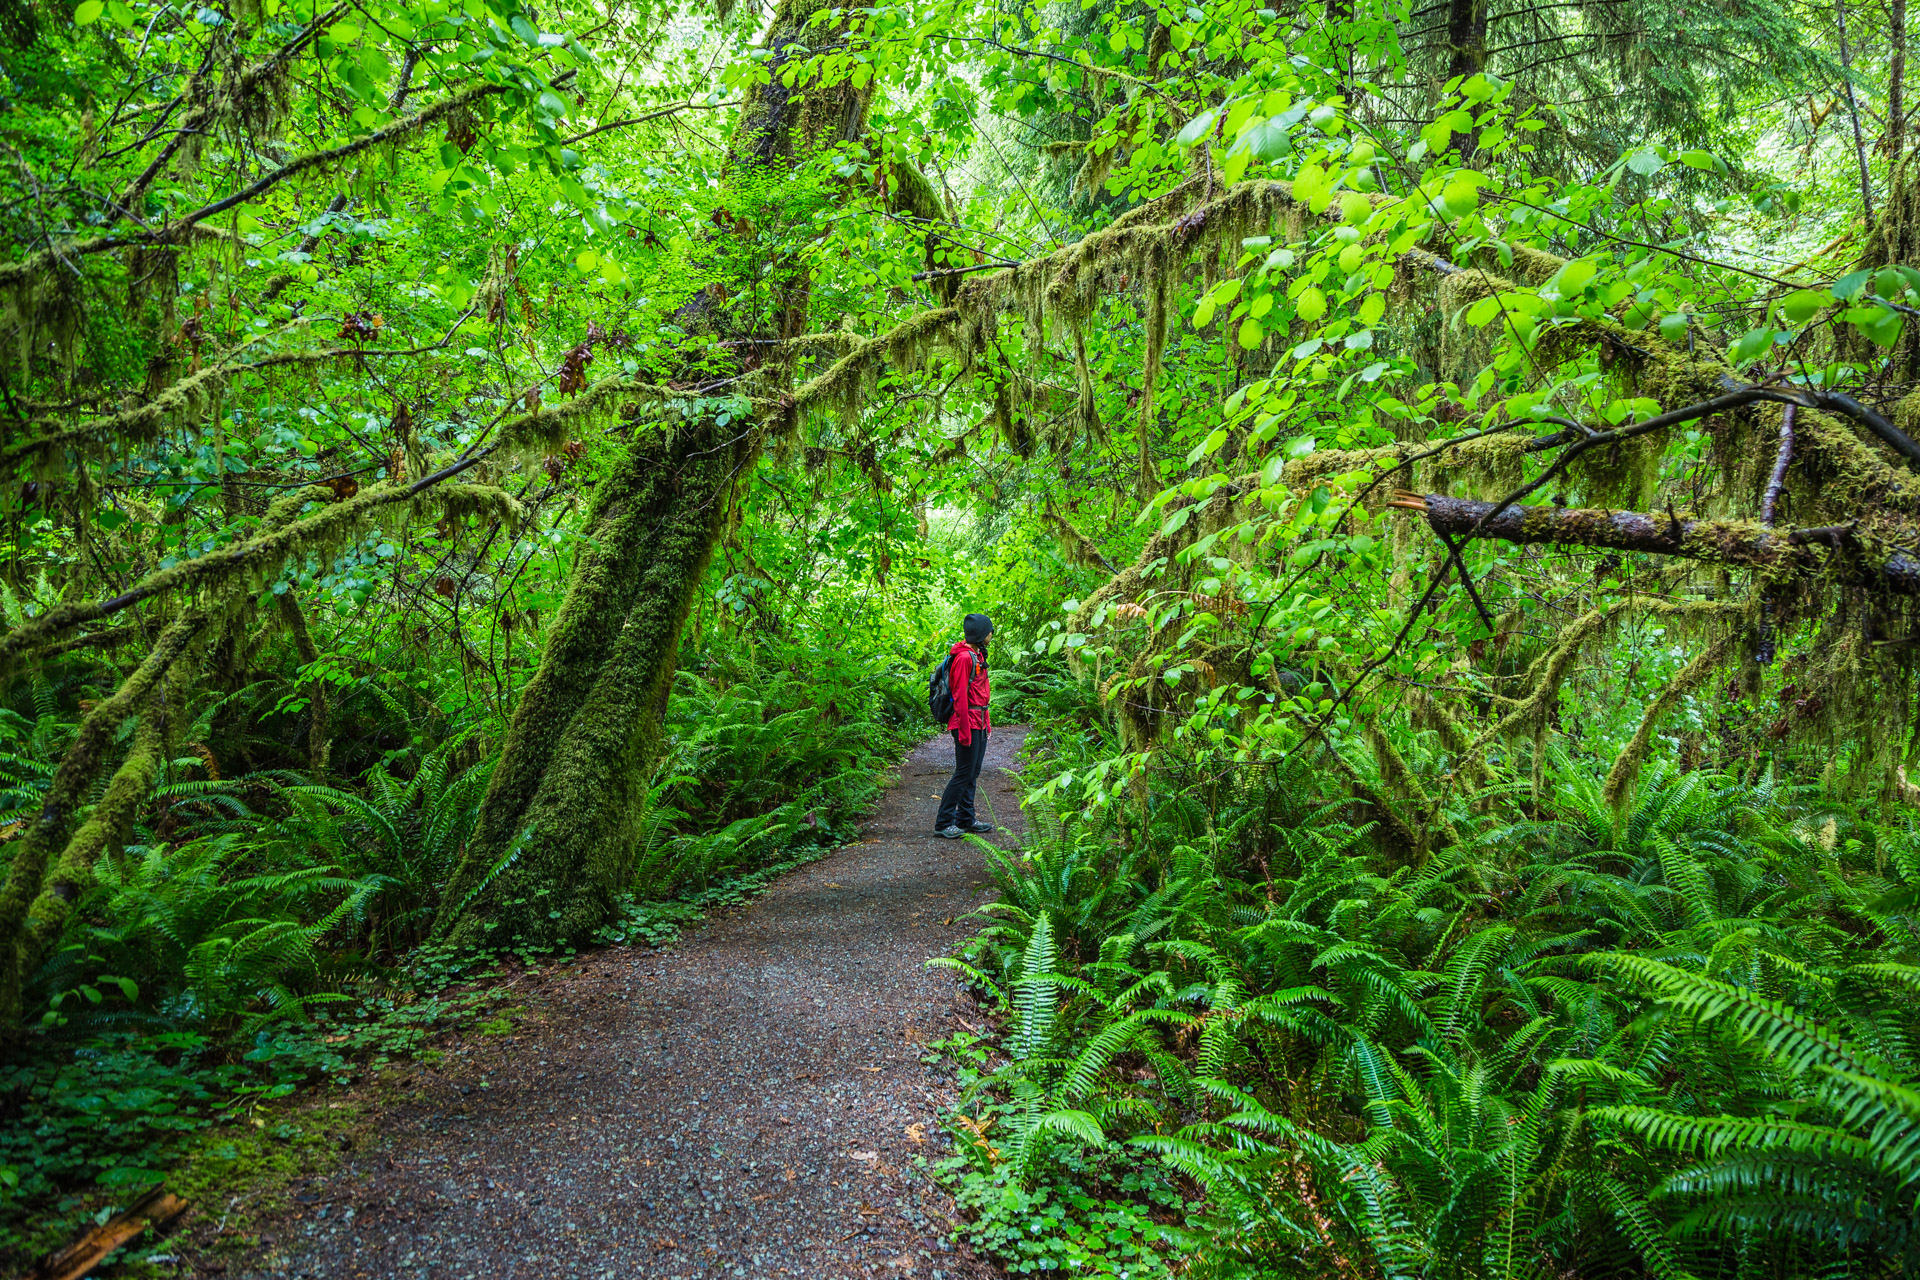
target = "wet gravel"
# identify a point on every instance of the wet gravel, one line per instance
(747, 1103)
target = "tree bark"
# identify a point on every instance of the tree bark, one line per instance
(1803, 551)
(1896, 85)
(1466, 37)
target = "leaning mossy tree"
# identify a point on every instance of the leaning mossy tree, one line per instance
(238, 352)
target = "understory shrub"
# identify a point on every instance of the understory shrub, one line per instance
(1671, 1037)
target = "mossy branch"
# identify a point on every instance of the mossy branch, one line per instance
(105, 828)
(1840, 553)
(17, 274)
(262, 555)
(27, 875)
(190, 394)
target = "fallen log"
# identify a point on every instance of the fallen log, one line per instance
(1838, 551)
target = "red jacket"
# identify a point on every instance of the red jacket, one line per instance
(971, 689)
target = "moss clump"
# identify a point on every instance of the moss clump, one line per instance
(238, 1175)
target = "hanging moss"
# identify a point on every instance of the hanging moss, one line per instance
(483, 501)
(843, 388)
(1074, 544)
(319, 743)
(1626, 768)
(1395, 773)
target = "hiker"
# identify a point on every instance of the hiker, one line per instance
(967, 677)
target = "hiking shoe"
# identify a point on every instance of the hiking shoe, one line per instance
(978, 828)
(949, 833)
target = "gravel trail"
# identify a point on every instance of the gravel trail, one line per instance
(746, 1103)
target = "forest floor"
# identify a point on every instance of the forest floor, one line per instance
(748, 1102)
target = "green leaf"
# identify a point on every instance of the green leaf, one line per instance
(1308, 182)
(1646, 162)
(1702, 160)
(1571, 278)
(1197, 128)
(1311, 305)
(1802, 305)
(1268, 141)
(1883, 328)
(1673, 326)
(1847, 287)
(1751, 345)
(1460, 199)
(89, 12)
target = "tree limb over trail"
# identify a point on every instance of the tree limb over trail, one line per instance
(1835, 550)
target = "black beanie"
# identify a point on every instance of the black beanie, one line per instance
(977, 628)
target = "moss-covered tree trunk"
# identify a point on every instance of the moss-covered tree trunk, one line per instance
(555, 839)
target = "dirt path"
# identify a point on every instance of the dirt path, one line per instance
(747, 1103)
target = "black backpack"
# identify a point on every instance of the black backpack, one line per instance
(940, 692)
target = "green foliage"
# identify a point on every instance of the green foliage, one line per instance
(555, 444)
(1661, 1035)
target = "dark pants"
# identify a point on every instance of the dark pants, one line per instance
(956, 804)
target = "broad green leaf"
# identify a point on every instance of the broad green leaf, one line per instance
(1482, 312)
(1197, 128)
(1802, 305)
(1646, 162)
(1751, 345)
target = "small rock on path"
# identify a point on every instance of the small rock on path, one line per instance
(747, 1103)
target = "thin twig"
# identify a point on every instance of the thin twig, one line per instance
(1853, 112)
(1778, 481)
(1466, 580)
